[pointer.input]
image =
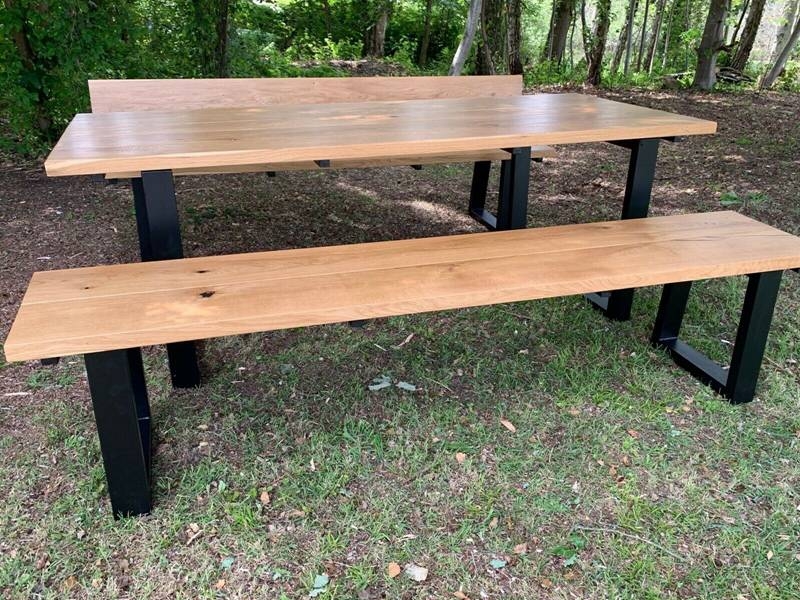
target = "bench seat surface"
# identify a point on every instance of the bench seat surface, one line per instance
(112, 307)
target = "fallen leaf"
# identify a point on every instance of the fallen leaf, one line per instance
(574, 412)
(770, 554)
(460, 457)
(634, 434)
(70, 582)
(493, 523)
(320, 583)
(497, 563)
(460, 595)
(508, 425)
(546, 583)
(416, 572)
(393, 570)
(521, 548)
(264, 497)
(220, 584)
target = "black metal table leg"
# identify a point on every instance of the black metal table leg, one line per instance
(616, 305)
(477, 195)
(738, 382)
(512, 210)
(160, 239)
(122, 413)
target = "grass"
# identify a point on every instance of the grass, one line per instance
(624, 477)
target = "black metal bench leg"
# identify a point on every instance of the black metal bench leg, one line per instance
(477, 195)
(616, 305)
(738, 382)
(122, 413)
(512, 210)
(160, 239)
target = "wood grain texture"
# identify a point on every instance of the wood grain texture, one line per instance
(111, 307)
(399, 161)
(99, 143)
(126, 95)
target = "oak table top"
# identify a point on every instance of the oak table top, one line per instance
(98, 143)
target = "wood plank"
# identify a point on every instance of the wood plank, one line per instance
(538, 152)
(125, 95)
(138, 141)
(102, 308)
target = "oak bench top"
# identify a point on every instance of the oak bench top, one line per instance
(141, 304)
(98, 143)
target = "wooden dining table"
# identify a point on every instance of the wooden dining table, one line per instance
(150, 147)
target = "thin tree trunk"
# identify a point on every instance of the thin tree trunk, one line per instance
(462, 52)
(785, 27)
(326, 10)
(599, 39)
(644, 35)
(739, 22)
(656, 34)
(665, 56)
(426, 35)
(585, 33)
(742, 55)
(572, 44)
(492, 49)
(629, 39)
(620, 49)
(783, 57)
(515, 37)
(712, 41)
(548, 44)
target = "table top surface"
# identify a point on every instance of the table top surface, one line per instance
(97, 143)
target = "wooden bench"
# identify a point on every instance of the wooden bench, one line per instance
(121, 95)
(107, 313)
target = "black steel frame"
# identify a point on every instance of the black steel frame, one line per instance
(616, 305)
(122, 414)
(512, 203)
(160, 239)
(738, 382)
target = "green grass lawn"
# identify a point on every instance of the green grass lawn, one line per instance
(623, 477)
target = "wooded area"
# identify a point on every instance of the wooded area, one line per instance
(49, 50)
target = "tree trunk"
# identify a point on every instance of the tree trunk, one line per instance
(667, 35)
(640, 55)
(629, 35)
(599, 38)
(462, 52)
(745, 46)
(739, 21)
(515, 37)
(712, 41)
(31, 65)
(426, 35)
(376, 34)
(785, 27)
(326, 11)
(620, 49)
(656, 35)
(780, 63)
(560, 24)
(211, 32)
(585, 34)
(492, 48)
